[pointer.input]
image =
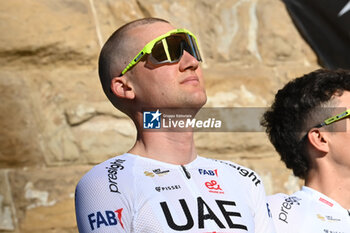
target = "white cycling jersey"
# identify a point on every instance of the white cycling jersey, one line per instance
(130, 193)
(308, 211)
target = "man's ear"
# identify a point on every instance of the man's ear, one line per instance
(318, 140)
(122, 88)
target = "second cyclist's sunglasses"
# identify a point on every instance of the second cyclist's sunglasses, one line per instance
(334, 119)
(168, 48)
(329, 121)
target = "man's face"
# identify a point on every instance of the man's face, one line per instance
(339, 139)
(176, 85)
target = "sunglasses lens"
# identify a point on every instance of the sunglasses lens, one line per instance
(174, 47)
(193, 48)
(158, 53)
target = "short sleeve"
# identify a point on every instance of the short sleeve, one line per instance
(100, 205)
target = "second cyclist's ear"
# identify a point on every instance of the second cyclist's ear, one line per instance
(319, 140)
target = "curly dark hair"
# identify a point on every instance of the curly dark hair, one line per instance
(296, 107)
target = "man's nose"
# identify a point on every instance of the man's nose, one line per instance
(187, 61)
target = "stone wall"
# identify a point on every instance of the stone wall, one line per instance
(55, 122)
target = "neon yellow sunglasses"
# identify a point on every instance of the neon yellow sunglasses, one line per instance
(334, 118)
(168, 48)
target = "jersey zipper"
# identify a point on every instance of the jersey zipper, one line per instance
(187, 173)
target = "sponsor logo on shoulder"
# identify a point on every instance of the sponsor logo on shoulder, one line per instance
(286, 206)
(244, 172)
(113, 170)
(105, 218)
(157, 172)
(326, 202)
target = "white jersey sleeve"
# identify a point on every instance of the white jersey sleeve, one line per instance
(100, 203)
(129, 193)
(308, 211)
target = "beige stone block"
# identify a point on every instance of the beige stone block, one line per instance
(59, 216)
(278, 39)
(109, 15)
(19, 122)
(242, 86)
(80, 112)
(63, 105)
(51, 116)
(101, 131)
(232, 145)
(103, 137)
(81, 126)
(44, 199)
(47, 33)
(239, 86)
(34, 126)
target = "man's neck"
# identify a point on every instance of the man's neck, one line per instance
(333, 183)
(170, 147)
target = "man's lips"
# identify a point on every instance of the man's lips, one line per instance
(190, 79)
